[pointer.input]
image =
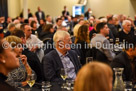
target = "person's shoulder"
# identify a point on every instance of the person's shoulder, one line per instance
(121, 32)
(72, 52)
(33, 36)
(120, 57)
(50, 53)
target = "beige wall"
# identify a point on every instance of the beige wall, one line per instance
(55, 7)
(14, 8)
(52, 7)
(104, 7)
(132, 8)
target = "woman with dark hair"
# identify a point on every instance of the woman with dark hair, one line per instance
(34, 27)
(82, 41)
(35, 30)
(47, 32)
(8, 62)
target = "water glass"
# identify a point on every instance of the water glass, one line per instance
(68, 82)
(46, 86)
(128, 85)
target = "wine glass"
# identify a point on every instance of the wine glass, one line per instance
(63, 74)
(31, 79)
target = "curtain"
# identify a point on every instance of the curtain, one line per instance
(4, 8)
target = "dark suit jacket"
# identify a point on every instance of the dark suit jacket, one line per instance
(7, 34)
(52, 65)
(122, 35)
(38, 17)
(91, 33)
(63, 13)
(87, 14)
(83, 49)
(122, 61)
(113, 29)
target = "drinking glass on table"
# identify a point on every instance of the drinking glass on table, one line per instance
(46, 86)
(31, 79)
(63, 74)
(128, 85)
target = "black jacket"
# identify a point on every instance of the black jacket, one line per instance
(38, 17)
(52, 65)
(123, 36)
(34, 63)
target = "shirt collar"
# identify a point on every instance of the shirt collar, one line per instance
(100, 35)
(29, 37)
(60, 54)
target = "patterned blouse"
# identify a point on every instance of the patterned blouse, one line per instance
(17, 76)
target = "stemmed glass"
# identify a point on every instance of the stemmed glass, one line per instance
(63, 74)
(31, 79)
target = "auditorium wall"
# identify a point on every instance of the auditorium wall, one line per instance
(55, 7)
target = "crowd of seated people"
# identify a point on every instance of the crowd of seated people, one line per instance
(48, 46)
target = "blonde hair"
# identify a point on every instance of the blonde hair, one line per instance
(13, 40)
(94, 76)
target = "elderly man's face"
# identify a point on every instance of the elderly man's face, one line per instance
(65, 44)
(127, 27)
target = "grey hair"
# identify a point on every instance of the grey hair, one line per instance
(10, 25)
(60, 35)
(126, 21)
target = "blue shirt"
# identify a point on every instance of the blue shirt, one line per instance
(67, 64)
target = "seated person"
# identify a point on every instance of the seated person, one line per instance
(94, 76)
(126, 33)
(82, 40)
(33, 42)
(100, 41)
(61, 57)
(11, 28)
(18, 76)
(47, 32)
(32, 58)
(8, 62)
(126, 60)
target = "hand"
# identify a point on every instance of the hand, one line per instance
(1, 27)
(24, 59)
(24, 83)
